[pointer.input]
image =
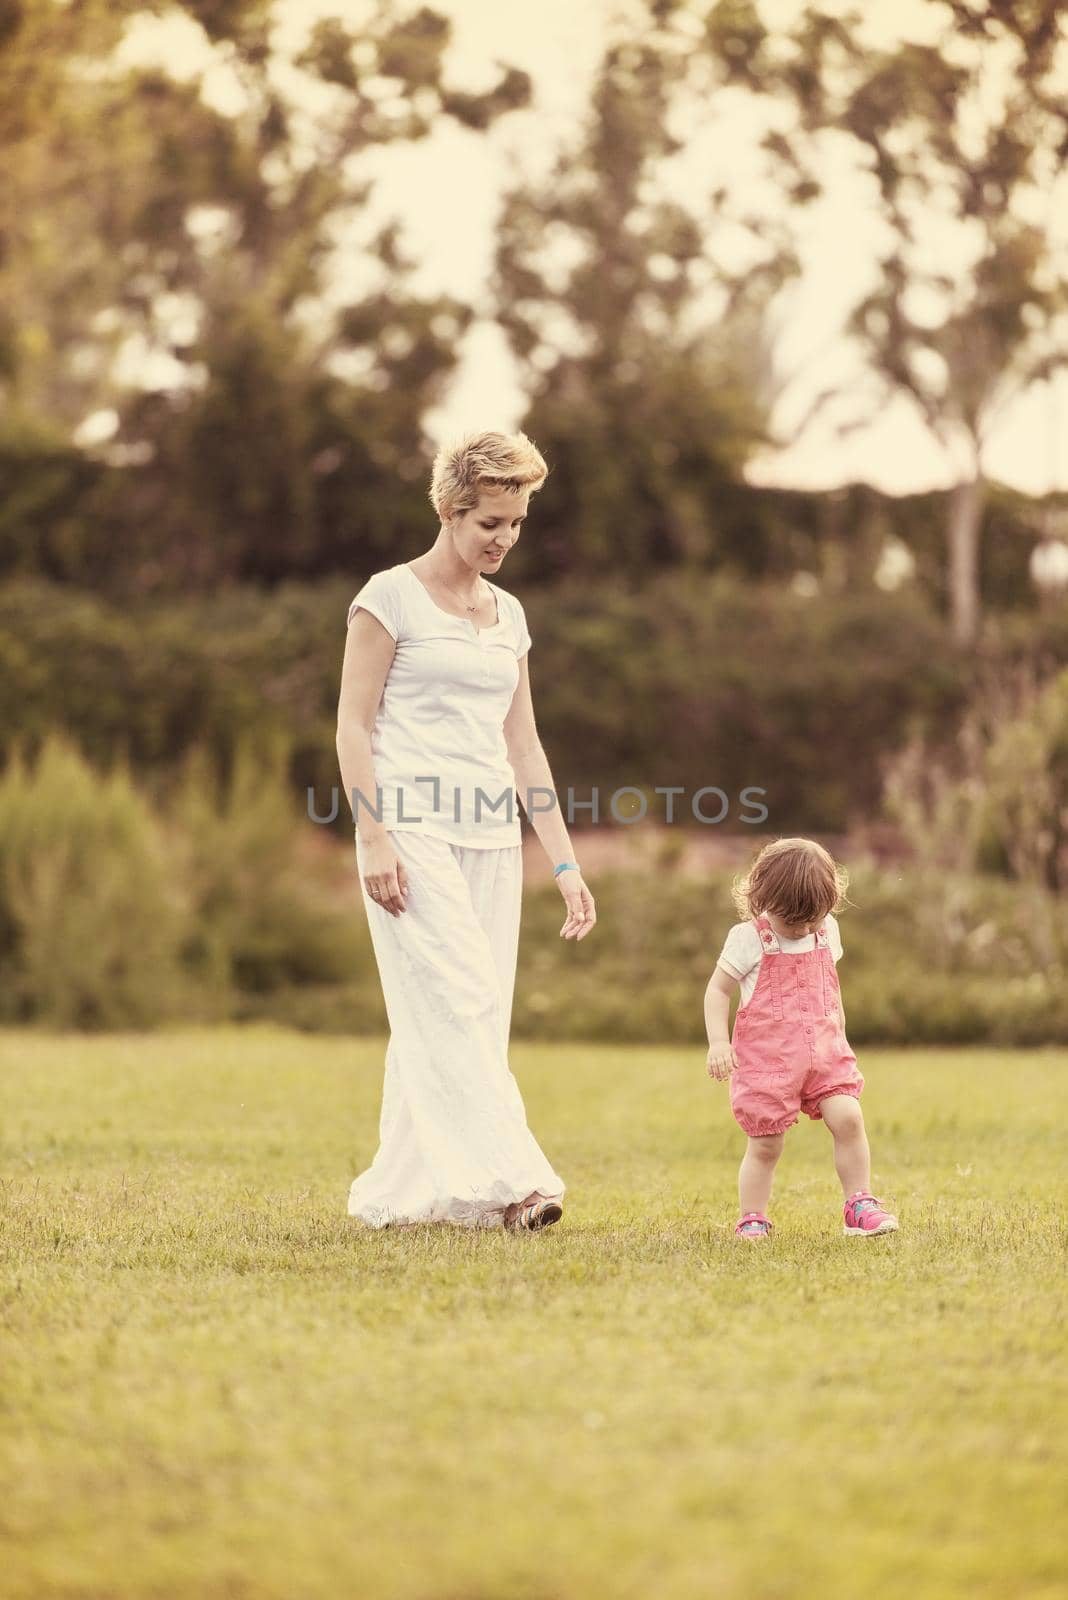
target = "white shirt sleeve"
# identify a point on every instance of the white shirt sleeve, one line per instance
(522, 631)
(379, 596)
(834, 936)
(741, 950)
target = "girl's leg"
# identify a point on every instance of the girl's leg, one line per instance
(852, 1158)
(757, 1171)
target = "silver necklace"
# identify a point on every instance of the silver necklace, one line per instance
(459, 596)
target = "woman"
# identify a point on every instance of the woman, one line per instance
(435, 733)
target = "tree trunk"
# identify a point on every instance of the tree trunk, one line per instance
(965, 525)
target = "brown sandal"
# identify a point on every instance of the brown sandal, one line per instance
(537, 1214)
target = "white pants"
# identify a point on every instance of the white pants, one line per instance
(454, 1145)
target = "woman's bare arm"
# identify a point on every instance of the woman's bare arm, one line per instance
(369, 651)
(530, 765)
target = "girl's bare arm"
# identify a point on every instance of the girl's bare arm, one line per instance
(721, 1060)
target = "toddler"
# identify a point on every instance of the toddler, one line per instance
(789, 1052)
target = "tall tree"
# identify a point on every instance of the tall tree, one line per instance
(641, 352)
(134, 210)
(965, 139)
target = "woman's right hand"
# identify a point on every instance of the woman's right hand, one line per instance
(384, 876)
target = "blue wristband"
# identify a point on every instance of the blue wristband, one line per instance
(563, 867)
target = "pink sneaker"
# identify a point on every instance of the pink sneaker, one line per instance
(754, 1225)
(864, 1214)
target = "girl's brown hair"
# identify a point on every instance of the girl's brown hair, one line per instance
(797, 879)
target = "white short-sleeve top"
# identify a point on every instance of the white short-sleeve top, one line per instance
(742, 952)
(440, 757)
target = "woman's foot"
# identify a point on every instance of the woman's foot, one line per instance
(754, 1225)
(534, 1214)
(864, 1214)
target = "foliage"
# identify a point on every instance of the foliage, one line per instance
(287, 420)
(261, 919)
(720, 681)
(285, 437)
(212, 898)
(998, 796)
(964, 138)
(49, 525)
(932, 958)
(640, 350)
(736, 684)
(929, 959)
(91, 914)
(154, 680)
(115, 913)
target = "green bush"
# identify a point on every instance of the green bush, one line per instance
(928, 960)
(92, 916)
(226, 904)
(152, 682)
(686, 680)
(114, 914)
(261, 917)
(995, 797)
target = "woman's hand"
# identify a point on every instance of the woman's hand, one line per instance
(721, 1060)
(581, 911)
(384, 876)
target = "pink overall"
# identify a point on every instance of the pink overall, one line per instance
(789, 1040)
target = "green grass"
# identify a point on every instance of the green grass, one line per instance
(214, 1383)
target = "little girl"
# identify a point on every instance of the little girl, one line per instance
(789, 1051)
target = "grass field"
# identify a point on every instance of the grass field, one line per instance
(214, 1383)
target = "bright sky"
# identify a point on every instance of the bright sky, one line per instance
(446, 189)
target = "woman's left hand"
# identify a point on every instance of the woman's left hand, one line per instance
(581, 911)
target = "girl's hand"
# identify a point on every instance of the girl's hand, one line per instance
(581, 911)
(384, 876)
(721, 1060)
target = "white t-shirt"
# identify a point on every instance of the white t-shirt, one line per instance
(742, 952)
(441, 716)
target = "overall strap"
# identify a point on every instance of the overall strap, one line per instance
(769, 939)
(769, 945)
(828, 999)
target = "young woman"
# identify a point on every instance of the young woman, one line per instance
(436, 733)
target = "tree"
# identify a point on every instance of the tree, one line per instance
(136, 210)
(642, 354)
(965, 139)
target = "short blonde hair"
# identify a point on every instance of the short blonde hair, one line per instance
(483, 461)
(797, 879)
